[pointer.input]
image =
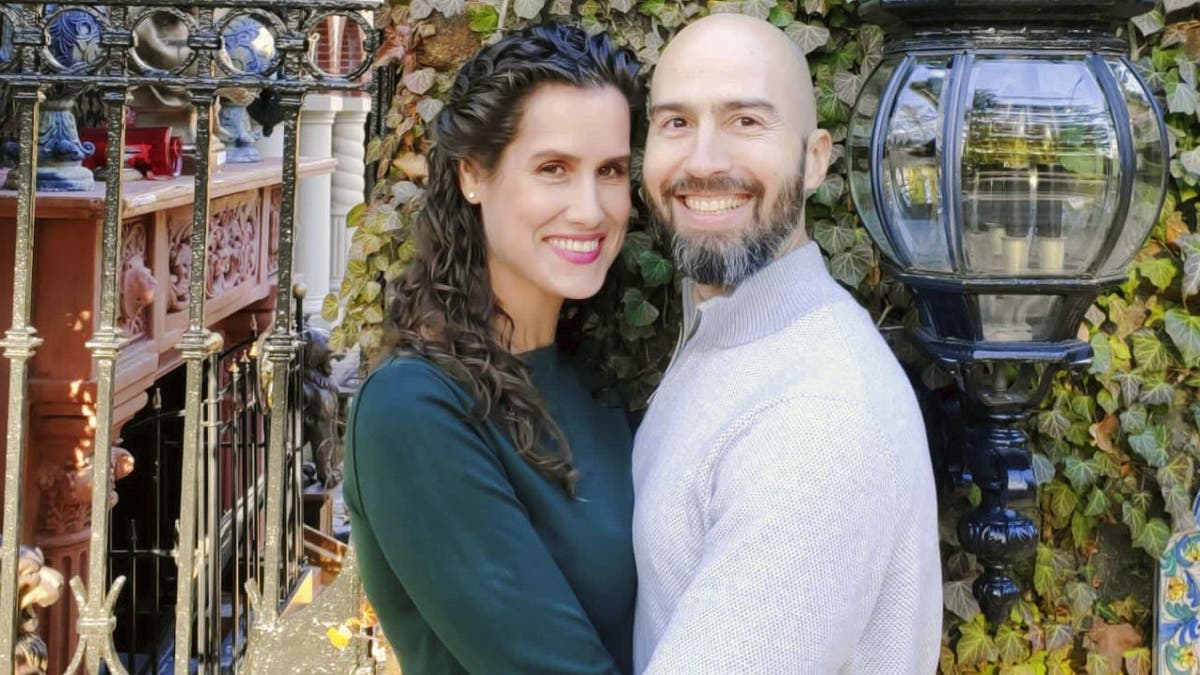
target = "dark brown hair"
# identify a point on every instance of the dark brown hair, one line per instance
(443, 307)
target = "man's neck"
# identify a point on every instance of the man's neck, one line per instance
(798, 238)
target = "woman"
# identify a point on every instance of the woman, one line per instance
(490, 495)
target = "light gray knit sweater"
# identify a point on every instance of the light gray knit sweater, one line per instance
(785, 519)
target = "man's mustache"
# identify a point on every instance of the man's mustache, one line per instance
(723, 183)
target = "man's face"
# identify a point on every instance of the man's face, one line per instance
(723, 169)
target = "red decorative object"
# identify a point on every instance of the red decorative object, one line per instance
(151, 150)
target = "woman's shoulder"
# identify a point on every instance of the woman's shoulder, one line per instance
(409, 384)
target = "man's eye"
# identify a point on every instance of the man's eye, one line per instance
(676, 123)
(612, 171)
(745, 121)
(552, 169)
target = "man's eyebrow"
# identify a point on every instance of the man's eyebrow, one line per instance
(761, 105)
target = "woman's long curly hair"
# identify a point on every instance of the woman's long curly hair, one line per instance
(443, 307)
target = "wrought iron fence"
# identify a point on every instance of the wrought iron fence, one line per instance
(42, 71)
(233, 485)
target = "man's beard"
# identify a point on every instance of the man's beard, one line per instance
(728, 260)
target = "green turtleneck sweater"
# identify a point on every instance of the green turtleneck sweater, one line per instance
(473, 561)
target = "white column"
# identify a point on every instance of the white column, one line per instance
(313, 200)
(349, 179)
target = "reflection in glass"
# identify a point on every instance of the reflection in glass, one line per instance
(1040, 173)
(1019, 318)
(1148, 176)
(911, 174)
(6, 40)
(858, 151)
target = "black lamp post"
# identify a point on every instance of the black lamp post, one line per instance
(1009, 162)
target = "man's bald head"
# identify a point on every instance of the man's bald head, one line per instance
(753, 46)
(733, 146)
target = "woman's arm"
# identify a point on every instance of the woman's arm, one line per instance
(452, 531)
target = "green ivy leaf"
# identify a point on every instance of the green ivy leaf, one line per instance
(1099, 664)
(449, 8)
(1155, 391)
(809, 36)
(833, 238)
(975, 646)
(781, 16)
(1011, 645)
(1184, 331)
(851, 267)
(483, 18)
(1081, 472)
(1097, 503)
(1189, 245)
(1061, 499)
(1149, 23)
(528, 9)
(1160, 271)
(1043, 469)
(1154, 536)
(959, 599)
(1101, 354)
(846, 85)
(759, 9)
(1134, 518)
(1178, 471)
(1150, 444)
(1053, 423)
(1058, 635)
(656, 270)
(1148, 351)
(330, 308)
(1181, 98)
(638, 310)
(1081, 597)
(830, 190)
(1045, 581)
(870, 38)
(1134, 418)
(1187, 69)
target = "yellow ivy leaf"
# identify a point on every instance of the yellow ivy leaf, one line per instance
(339, 636)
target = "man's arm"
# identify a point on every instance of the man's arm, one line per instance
(800, 526)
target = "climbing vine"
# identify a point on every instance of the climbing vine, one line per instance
(1115, 447)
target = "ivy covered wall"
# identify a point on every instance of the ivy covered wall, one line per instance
(1116, 447)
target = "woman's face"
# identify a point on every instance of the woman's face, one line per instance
(557, 204)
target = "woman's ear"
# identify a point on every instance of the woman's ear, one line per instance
(470, 180)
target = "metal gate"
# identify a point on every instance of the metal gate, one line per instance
(36, 80)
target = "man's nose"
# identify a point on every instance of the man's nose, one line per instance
(708, 155)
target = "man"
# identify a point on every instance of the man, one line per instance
(785, 519)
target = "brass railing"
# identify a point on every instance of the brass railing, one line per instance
(35, 79)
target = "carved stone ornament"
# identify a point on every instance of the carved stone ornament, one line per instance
(232, 243)
(137, 280)
(179, 260)
(67, 492)
(38, 586)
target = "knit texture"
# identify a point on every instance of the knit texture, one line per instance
(785, 519)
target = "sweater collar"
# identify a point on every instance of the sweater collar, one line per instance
(770, 300)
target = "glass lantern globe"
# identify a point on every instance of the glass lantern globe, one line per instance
(1007, 185)
(1009, 162)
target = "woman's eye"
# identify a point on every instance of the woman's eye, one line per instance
(676, 123)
